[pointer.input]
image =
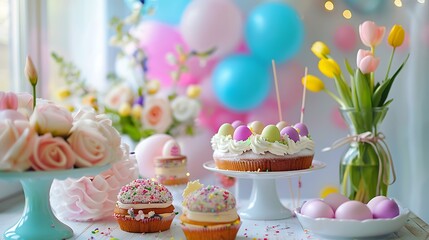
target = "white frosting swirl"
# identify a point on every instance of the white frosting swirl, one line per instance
(143, 205)
(258, 145)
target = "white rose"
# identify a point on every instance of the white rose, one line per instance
(157, 115)
(51, 118)
(185, 109)
(118, 95)
(16, 145)
(95, 143)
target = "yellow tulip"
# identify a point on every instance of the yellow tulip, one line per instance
(193, 91)
(329, 67)
(314, 84)
(328, 190)
(63, 93)
(320, 49)
(396, 36)
(124, 109)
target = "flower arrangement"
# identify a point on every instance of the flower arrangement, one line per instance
(137, 105)
(42, 136)
(365, 169)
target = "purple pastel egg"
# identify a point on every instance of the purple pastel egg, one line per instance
(242, 133)
(291, 133)
(236, 123)
(302, 129)
(387, 208)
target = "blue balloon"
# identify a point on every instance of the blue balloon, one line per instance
(274, 30)
(241, 82)
(166, 11)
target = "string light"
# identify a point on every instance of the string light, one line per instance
(347, 14)
(329, 5)
(398, 3)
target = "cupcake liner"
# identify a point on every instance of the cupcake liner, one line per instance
(264, 165)
(211, 233)
(147, 225)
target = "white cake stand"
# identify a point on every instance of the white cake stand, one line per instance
(264, 203)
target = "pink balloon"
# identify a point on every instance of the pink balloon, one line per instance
(196, 71)
(157, 40)
(208, 24)
(242, 48)
(345, 38)
(198, 150)
(146, 152)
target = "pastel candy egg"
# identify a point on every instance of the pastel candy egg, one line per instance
(282, 124)
(171, 148)
(353, 210)
(335, 200)
(226, 129)
(302, 129)
(375, 201)
(256, 127)
(291, 133)
(242, 133)
(236, 124)
(271, 133)
(387, 208)
(317, 209)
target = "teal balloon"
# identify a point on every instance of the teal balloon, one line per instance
(274, 30)
(165, 11)
(241, 82)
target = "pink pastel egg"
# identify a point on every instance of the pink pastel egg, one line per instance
(335, 200)
(317, 209)
(236, 123)
(291, 133)
(375, 201)
(302, 129)
(242, 133)
(387, 208)
(353, 210)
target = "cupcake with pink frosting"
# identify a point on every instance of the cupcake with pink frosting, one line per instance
(144, 206)
(209, 213)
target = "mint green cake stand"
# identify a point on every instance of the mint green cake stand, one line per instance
(38, 221)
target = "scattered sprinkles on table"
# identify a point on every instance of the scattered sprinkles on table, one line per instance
(144, 191)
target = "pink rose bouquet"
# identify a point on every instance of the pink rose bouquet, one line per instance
(47, 137)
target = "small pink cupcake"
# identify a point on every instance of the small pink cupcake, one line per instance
(144, 206)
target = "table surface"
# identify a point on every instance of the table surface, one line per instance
(108, 229)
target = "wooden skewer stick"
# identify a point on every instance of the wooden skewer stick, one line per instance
(279, 108)
(303, 96)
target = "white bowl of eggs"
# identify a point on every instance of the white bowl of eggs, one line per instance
(337, 217)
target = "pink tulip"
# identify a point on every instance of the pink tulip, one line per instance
(371, 34)
(366, 61)
(8, 100)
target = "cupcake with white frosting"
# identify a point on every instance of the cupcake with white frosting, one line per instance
(209, 213)
(144, 206)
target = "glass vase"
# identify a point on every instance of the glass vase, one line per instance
(365, 167)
